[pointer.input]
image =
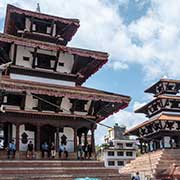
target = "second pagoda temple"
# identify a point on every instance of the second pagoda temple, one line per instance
(162, 130)
(159, 136)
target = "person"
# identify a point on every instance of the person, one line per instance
(89, 150)
(53, 150)
(30, 149)
(61, 149)
(11, 149)
(137, 177)
(45, 148)
(63, 140)
(65, 153)
(79, 152)
(85, 151)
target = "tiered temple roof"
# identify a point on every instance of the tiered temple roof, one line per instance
(15, 24)
(87, 62)
(163, 113)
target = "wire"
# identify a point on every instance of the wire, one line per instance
(55, 105)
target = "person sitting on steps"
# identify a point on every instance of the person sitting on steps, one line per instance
(61, 149)
(11, 149)
(45, 148)
(65, 153)
(30, 150)
(53, 150)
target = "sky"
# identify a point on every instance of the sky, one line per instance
(142, 38)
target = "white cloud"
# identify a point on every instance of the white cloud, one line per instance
(129, 119)
(117, 65)
(137, 105)
(102, 28)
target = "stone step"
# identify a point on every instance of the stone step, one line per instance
(50, 163)
(65, 177)
(56, 170)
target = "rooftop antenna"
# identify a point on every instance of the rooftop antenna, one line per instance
(38, 8)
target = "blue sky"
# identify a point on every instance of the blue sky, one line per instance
(142, 38)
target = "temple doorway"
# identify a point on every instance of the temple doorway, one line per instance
(47, 134)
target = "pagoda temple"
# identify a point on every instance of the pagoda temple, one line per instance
(42, 97)
(159, 136)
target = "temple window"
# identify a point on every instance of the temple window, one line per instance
(45, 61)
(13, 100)
(61, 64)
(171, 86)
(175, 104)
(78, 105)
(25, 58)
(41, 26)
(44, 106)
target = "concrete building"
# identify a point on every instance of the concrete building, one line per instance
(118, 149)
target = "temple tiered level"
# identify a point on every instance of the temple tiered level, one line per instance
(163, 127)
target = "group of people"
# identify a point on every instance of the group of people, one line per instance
(84, 151)
(45, 148)
(11, 150)
(51, 150)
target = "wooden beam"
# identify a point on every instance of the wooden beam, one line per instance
(23, 101)
(90, 110)
(73, 71)
(52, 27)
(31, 26)
(58, 102)
(56, 60)
(34, 57)
(73, 102)
(14, 54)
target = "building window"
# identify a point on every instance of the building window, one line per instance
(111, 163)
(25, 58)
(129, 153)
(13, 100)
(129, 144)
(120, 163)
(110, 153)
(41, 26)
(120, 153)
(120, 145)
(61, 64)
(78, 105)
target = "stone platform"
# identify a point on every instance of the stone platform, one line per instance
(56, 170)
(154, 165)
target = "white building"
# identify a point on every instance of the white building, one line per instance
(118, 149)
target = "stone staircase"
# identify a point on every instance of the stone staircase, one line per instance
(153, 164)
(56, 170)
(145, 164)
